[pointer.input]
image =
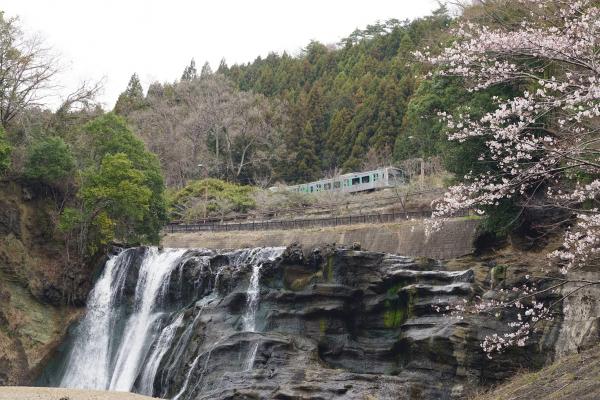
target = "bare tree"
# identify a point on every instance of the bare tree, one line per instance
(251, 134)
(235, 135)
(27, 67)
(377, 158)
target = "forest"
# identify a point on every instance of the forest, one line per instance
(500, 97)
(378, 97)
(284, 118)
(359, 103)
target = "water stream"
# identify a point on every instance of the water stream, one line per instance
(138, 342)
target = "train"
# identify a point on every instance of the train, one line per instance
(352, 182)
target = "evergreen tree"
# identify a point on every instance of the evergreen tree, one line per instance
(132, 98)
(189, 72)
(206, 70)
(308, 166)
(109, 135)
(50, 161)
(222, 67)
(354, 97)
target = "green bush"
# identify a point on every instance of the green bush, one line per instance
(222, 197)
(50, 161)
(5, 151)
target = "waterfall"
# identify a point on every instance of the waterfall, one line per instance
(240, 259)
(151, 287)
(93, 344)
(102, 360)
(162, 346)
(139, 342)
(186, 382)
(252, 297)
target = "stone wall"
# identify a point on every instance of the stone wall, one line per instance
(455, 239)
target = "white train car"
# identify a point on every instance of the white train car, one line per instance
(353, 182)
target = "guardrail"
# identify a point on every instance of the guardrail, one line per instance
(301, 223)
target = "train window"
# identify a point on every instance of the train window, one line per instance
(336, 185)
(366, 179)
(327, 186)
(375, 177)
(346, 182)
(312, 189)
(355, 181)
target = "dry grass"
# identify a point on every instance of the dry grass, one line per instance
(571, 378)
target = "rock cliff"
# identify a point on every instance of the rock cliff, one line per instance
(35, 285)
(336, 323)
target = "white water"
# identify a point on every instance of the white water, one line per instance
(240, 259)
(186, 382)
(92, 345)
(113, 349)
(99, 360)
(162, 346)
(150, 289)
(253, 297)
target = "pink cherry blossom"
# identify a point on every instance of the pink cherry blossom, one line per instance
(542, 141)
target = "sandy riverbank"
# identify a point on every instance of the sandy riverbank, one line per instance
(42, 393)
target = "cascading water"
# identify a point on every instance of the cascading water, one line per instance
(150, 290)
(163, 344)
(249, 320)
(113, 362)
(248, 257)
(255, 323)
(139, 344)
(93, 344)
(253, 297)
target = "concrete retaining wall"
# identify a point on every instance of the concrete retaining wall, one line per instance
(408, 238)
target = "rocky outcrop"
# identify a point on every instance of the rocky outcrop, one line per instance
(333, 324)
(34, 286)
(580, 328)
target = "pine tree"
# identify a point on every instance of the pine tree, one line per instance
(206, 70)
(132, 98)
(189, 73)
(222, 67)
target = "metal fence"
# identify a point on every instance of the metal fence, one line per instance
(300, 223)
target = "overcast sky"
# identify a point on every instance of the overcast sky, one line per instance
(111, 39)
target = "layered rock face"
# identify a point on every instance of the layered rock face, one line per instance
(274, 323)
(35, 285)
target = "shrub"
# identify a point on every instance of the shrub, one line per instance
(221, 198)
(49, 161)
(5, 151)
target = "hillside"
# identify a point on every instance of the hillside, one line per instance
(37, 291)
(573, 377)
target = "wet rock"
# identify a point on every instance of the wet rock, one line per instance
(338, 324)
